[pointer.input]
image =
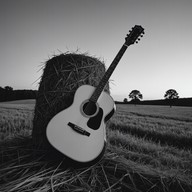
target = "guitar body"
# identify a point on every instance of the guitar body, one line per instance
(81, 134)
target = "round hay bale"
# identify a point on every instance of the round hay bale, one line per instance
(62, 75)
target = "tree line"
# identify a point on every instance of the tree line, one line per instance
(136, 95)
(8, 94)
(171, 97)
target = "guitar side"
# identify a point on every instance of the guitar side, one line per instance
(79, 137)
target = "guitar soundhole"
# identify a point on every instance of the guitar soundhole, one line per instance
(89, 108)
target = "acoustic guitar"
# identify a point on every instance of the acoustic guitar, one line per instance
(79, 131)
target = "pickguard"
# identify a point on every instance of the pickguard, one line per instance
(95, 122)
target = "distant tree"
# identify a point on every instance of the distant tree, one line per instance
(1, 89)
(2, 94)
(125, 100)
(171, 95)
(135, 95)
(8, 93)
(8, 88)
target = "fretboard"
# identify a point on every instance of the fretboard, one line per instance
(108, 74)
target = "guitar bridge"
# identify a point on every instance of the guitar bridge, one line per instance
(78, 129)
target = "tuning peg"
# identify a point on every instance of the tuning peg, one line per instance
(138, 39)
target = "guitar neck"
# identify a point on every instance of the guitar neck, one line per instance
(108, 74)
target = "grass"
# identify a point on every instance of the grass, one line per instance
(172, 126)
(15, 118)
(143, 153)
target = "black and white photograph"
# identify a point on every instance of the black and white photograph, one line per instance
(95, 96)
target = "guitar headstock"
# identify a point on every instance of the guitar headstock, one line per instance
(134, 34)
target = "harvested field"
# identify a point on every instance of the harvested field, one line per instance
(149, 149)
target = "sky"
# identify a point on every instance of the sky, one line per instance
(32, 31)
